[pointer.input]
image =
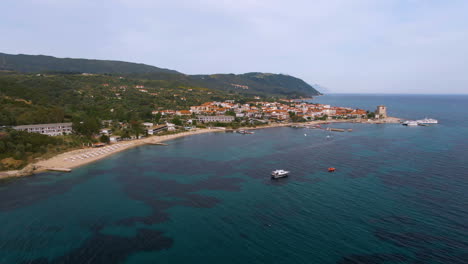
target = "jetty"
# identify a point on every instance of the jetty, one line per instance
(336, 129)
(159, 144)
(59, 169)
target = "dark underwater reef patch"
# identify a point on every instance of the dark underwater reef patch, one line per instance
(162, 194)
(105, 249)
(394, 220)
(373, 259)
(20, 193)
(425, 248)
(428, 248)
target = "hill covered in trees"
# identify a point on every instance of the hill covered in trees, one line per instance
(43, 64)
(251, 84)
(31, 98)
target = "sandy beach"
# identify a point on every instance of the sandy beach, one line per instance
(80, 157)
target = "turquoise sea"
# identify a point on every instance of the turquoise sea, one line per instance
(399, 195)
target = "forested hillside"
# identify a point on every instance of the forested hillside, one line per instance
(29, 99)
(42, 64)
(253, 84)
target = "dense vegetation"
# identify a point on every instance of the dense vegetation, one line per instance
(30, 99)
(17, 148)
(253, 84)
(41, 63)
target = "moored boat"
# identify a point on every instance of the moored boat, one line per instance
(427, 121)
(410, 123)
(276, 174)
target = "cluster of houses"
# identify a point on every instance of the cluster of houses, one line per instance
(226, 112)
(216, 111)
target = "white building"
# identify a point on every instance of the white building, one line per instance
(156, 129)
(147, 124)
(55, 129)
(220, 118)
(105, 131)
(170, 127)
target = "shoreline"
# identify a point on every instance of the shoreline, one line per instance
(80, 157)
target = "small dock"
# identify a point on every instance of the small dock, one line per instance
(59, 169)
(159, 144)
(336, 129)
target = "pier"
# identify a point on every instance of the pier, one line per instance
(59, 169)
(159, 144)
(336, 129)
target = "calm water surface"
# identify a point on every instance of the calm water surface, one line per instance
(400, 195)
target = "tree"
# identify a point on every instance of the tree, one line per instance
(324, 117)
(87, 126)
(2, 147)
(231, 113)
(137, 128)
(104, 139)
(176, 121)
(157, 117)
(370, 115)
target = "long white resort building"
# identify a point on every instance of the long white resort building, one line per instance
(55, 129)
(220, 118)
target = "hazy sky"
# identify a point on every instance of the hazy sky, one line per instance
(376, 46)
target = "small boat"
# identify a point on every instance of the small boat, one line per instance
(331, 169)
(410, 123)
(427, 121)
(276, 174)
(305, 135)
(245, 132)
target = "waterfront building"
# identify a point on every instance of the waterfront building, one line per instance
(55, 129)
(114, 139)
(156, 129)
(219, 118)
(381, 112)
(170, 127)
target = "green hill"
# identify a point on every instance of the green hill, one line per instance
(250, 84)
(29, 98)
(257, 83)
(40, 64)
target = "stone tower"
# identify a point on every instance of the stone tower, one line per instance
(381, 111)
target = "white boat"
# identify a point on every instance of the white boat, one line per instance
(428, 121)
(279, 174)
(410, 123)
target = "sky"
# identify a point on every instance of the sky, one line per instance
(346, 46)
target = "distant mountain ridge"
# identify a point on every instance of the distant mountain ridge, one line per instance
(42, 63)
(254, 83)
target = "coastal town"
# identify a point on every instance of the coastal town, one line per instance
(224, 114)
(112, 136)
